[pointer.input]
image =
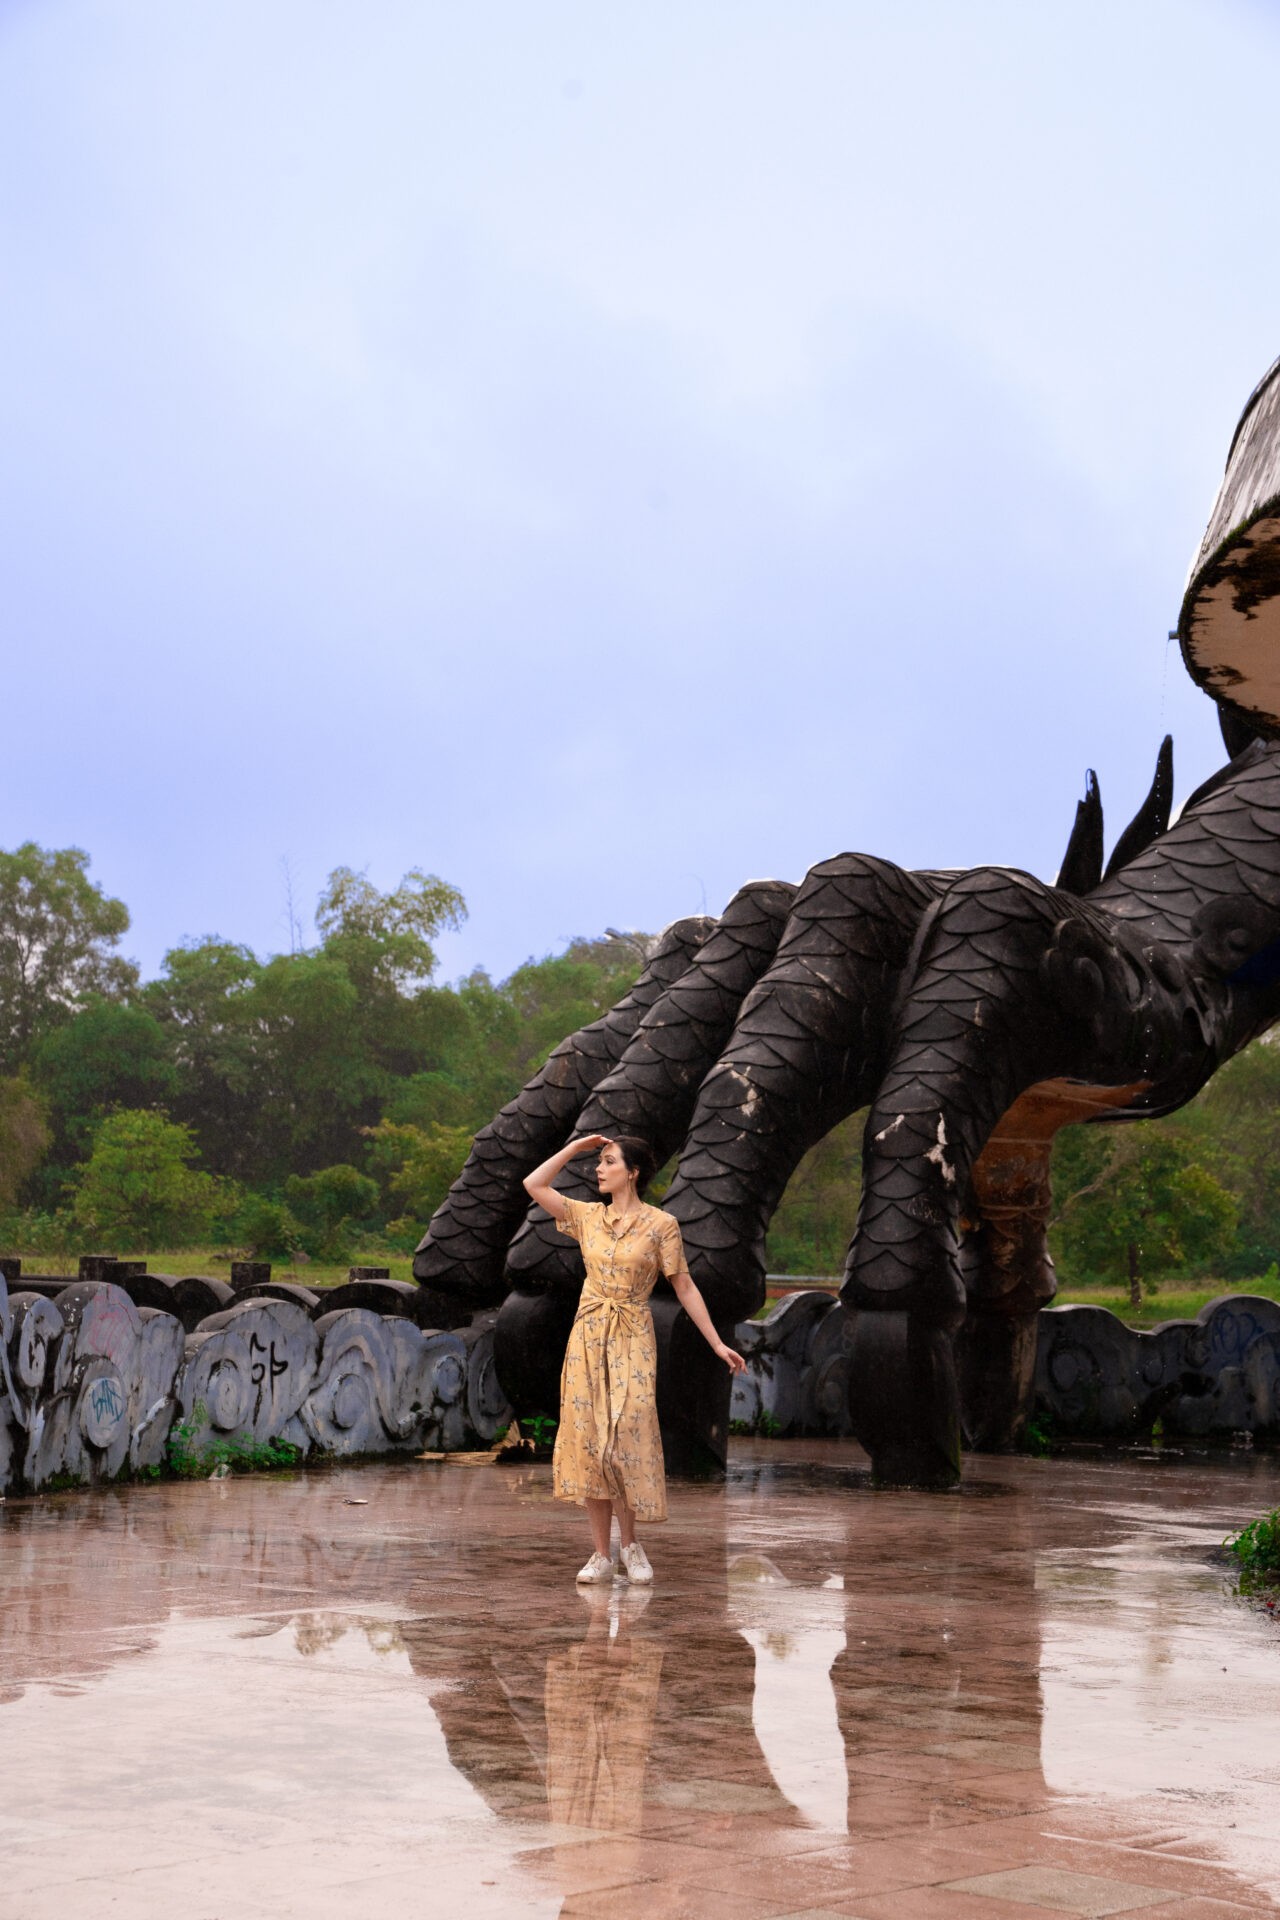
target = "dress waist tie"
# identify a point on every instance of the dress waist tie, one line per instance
(622, 1317)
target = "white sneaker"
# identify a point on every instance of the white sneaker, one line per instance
(598, 1569)
(635, 1564)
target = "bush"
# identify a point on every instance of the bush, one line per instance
(32, 1231)
(417, 1165)
(330, 1204)
(139, 1187)
(1256, 1549)
(219, 1456)
(267, 1228)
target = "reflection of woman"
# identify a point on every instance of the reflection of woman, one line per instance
(608, 1454)
(600, 1699)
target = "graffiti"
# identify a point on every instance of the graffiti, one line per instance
(106, 1401)
(93, 1387)
(1096, 1378)
(264, 1372)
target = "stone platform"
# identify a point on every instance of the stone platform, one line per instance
(376, 1691)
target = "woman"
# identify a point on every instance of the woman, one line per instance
(608, 1454)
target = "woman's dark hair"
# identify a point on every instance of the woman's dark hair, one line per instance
(638, 1158)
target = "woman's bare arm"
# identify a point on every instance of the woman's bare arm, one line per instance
(538, 1183)
(695, 1306)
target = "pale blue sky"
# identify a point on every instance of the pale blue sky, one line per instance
(602, 454)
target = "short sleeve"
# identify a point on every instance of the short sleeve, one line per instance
(572, 1222)
(670, 1247)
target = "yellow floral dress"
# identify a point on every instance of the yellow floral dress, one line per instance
(608, 1446)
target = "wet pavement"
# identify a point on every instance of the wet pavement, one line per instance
(376, 1691)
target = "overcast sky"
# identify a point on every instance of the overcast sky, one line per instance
(603, 453)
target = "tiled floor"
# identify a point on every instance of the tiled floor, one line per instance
(244, 1698)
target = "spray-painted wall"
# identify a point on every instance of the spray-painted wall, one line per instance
(92, 1385)
(1216, 1375)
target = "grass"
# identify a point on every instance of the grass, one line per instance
(1175, 1300)
(240, 1455)
(215, 1263)
(218, 1457)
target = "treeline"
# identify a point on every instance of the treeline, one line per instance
(295, 1102)
(1193, 1196)
(310, 1101)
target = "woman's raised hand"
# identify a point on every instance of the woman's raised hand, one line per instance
(592, 1143)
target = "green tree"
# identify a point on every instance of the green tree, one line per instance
(275, 1072)
(814, 1223)
(279, 1066)
(204, 1002)
(1135, 1203)
(282, 1062)
(1235, 1123)
(417, 1166)
(24, 1136)
(140, 1187)
(58, 934)
(447, 1075)
(478, 1043)
(316, 1084)
(553, 998)
(385, 944)
(267, 1229)
(330, 1204)
(109, 1055)
(385, 939)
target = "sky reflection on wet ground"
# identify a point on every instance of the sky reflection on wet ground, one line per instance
(255, 1697)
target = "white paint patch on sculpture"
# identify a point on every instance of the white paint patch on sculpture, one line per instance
(155, 1404)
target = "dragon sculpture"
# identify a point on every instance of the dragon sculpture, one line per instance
(974, 1013)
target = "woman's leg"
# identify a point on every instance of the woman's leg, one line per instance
(599, 1513)
(626, 1522)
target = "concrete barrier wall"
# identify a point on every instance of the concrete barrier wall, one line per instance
(1096, 1378)
(95, 1382)
(1218, 1374)
(94, 1385)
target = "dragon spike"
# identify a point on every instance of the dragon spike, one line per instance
(1152, 817)
(1237, 734)
(1081, 867)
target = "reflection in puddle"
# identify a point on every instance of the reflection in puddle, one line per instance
(793, 1704)
(502, 1746)
(794, 1715)
(321, 1632)
(1186, 1693)
(254, 1715)
(601, 1699)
